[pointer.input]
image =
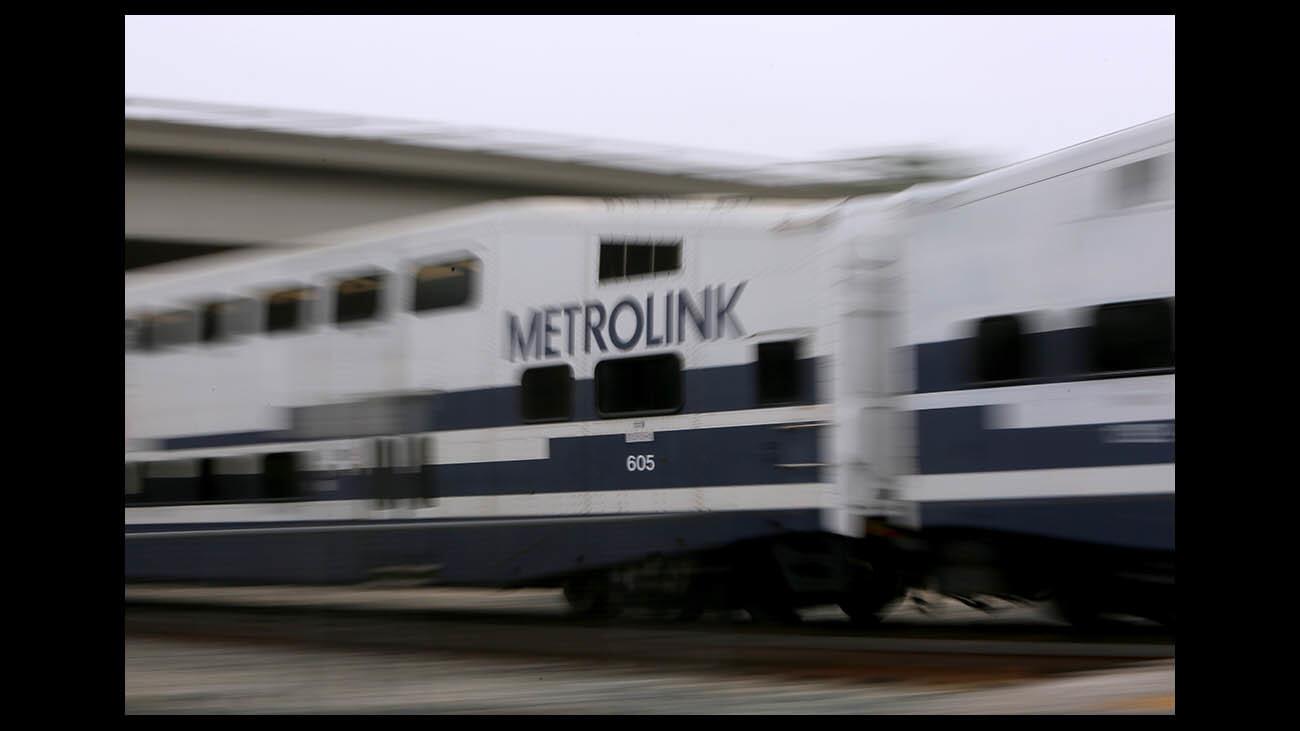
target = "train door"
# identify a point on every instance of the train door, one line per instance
(867, 443)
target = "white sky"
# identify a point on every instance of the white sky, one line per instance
(786, 87)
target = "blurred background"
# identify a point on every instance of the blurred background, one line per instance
(269, 133)
(264, 131)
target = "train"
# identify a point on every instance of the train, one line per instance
(965, 387)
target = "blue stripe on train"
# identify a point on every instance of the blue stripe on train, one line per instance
(722, 456)
(721, 388)
(1130, 521)
(482, 553)
(743, 455)
(949, 441)
(957, 440)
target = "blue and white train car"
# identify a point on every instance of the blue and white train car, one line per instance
(966, 386)
(1038, 321)
(628, 398)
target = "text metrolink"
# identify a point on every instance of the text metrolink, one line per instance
(654, 320)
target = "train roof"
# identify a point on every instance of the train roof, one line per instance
(774, 214)
(1075, 157)
(1096, 151)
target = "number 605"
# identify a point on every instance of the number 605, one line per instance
(641, 463)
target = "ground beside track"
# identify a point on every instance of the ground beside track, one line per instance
(391, 650)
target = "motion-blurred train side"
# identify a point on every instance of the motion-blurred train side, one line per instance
(1038, 322)
(689, 404)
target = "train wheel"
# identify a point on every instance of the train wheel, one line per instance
(876, 591)
(759, 588)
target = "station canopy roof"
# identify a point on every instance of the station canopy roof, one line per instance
(421, 147)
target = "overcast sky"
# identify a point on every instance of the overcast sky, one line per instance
(797, 88)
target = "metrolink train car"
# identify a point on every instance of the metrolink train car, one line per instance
(620, 397)
(1037, 320)
(686, 404)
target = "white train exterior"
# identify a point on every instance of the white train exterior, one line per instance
(1049, 454)
(776, 404)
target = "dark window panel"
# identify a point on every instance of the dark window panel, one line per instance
(1000, 353)
(211, 332)
(619, 259)
(446, 284)
(208, 489)
(358, 299)
(134, 487)
(639, 259)
(547, 393)
(646, 385)
(668, 257)
(428, 471)
(287, 310)
(280, 475)
(611, 260)
(1131, 336)
(778, 372)
(174, 482)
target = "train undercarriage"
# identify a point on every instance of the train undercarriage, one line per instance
(771, 579)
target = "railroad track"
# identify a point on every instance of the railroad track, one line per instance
(896, 651)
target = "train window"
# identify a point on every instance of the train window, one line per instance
(778, 372)
(638, 259)
(133, 331)
(620, 259)
(226, 320)
(174, 481)
(547, 394)
(611, 260)
(668, 257)
(208, 480)
(646, 385)
(237, 478)
(1000, 353)
(1133, 336)
(280, 475)
(445, 284)
(358, 298)
(178, 327)
(384, 483)
(210, 329)
(287, 309)
(239, 317)
(1144, 181)
(417, 447)
(396, 454)
(133, 490)
(428, 475)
